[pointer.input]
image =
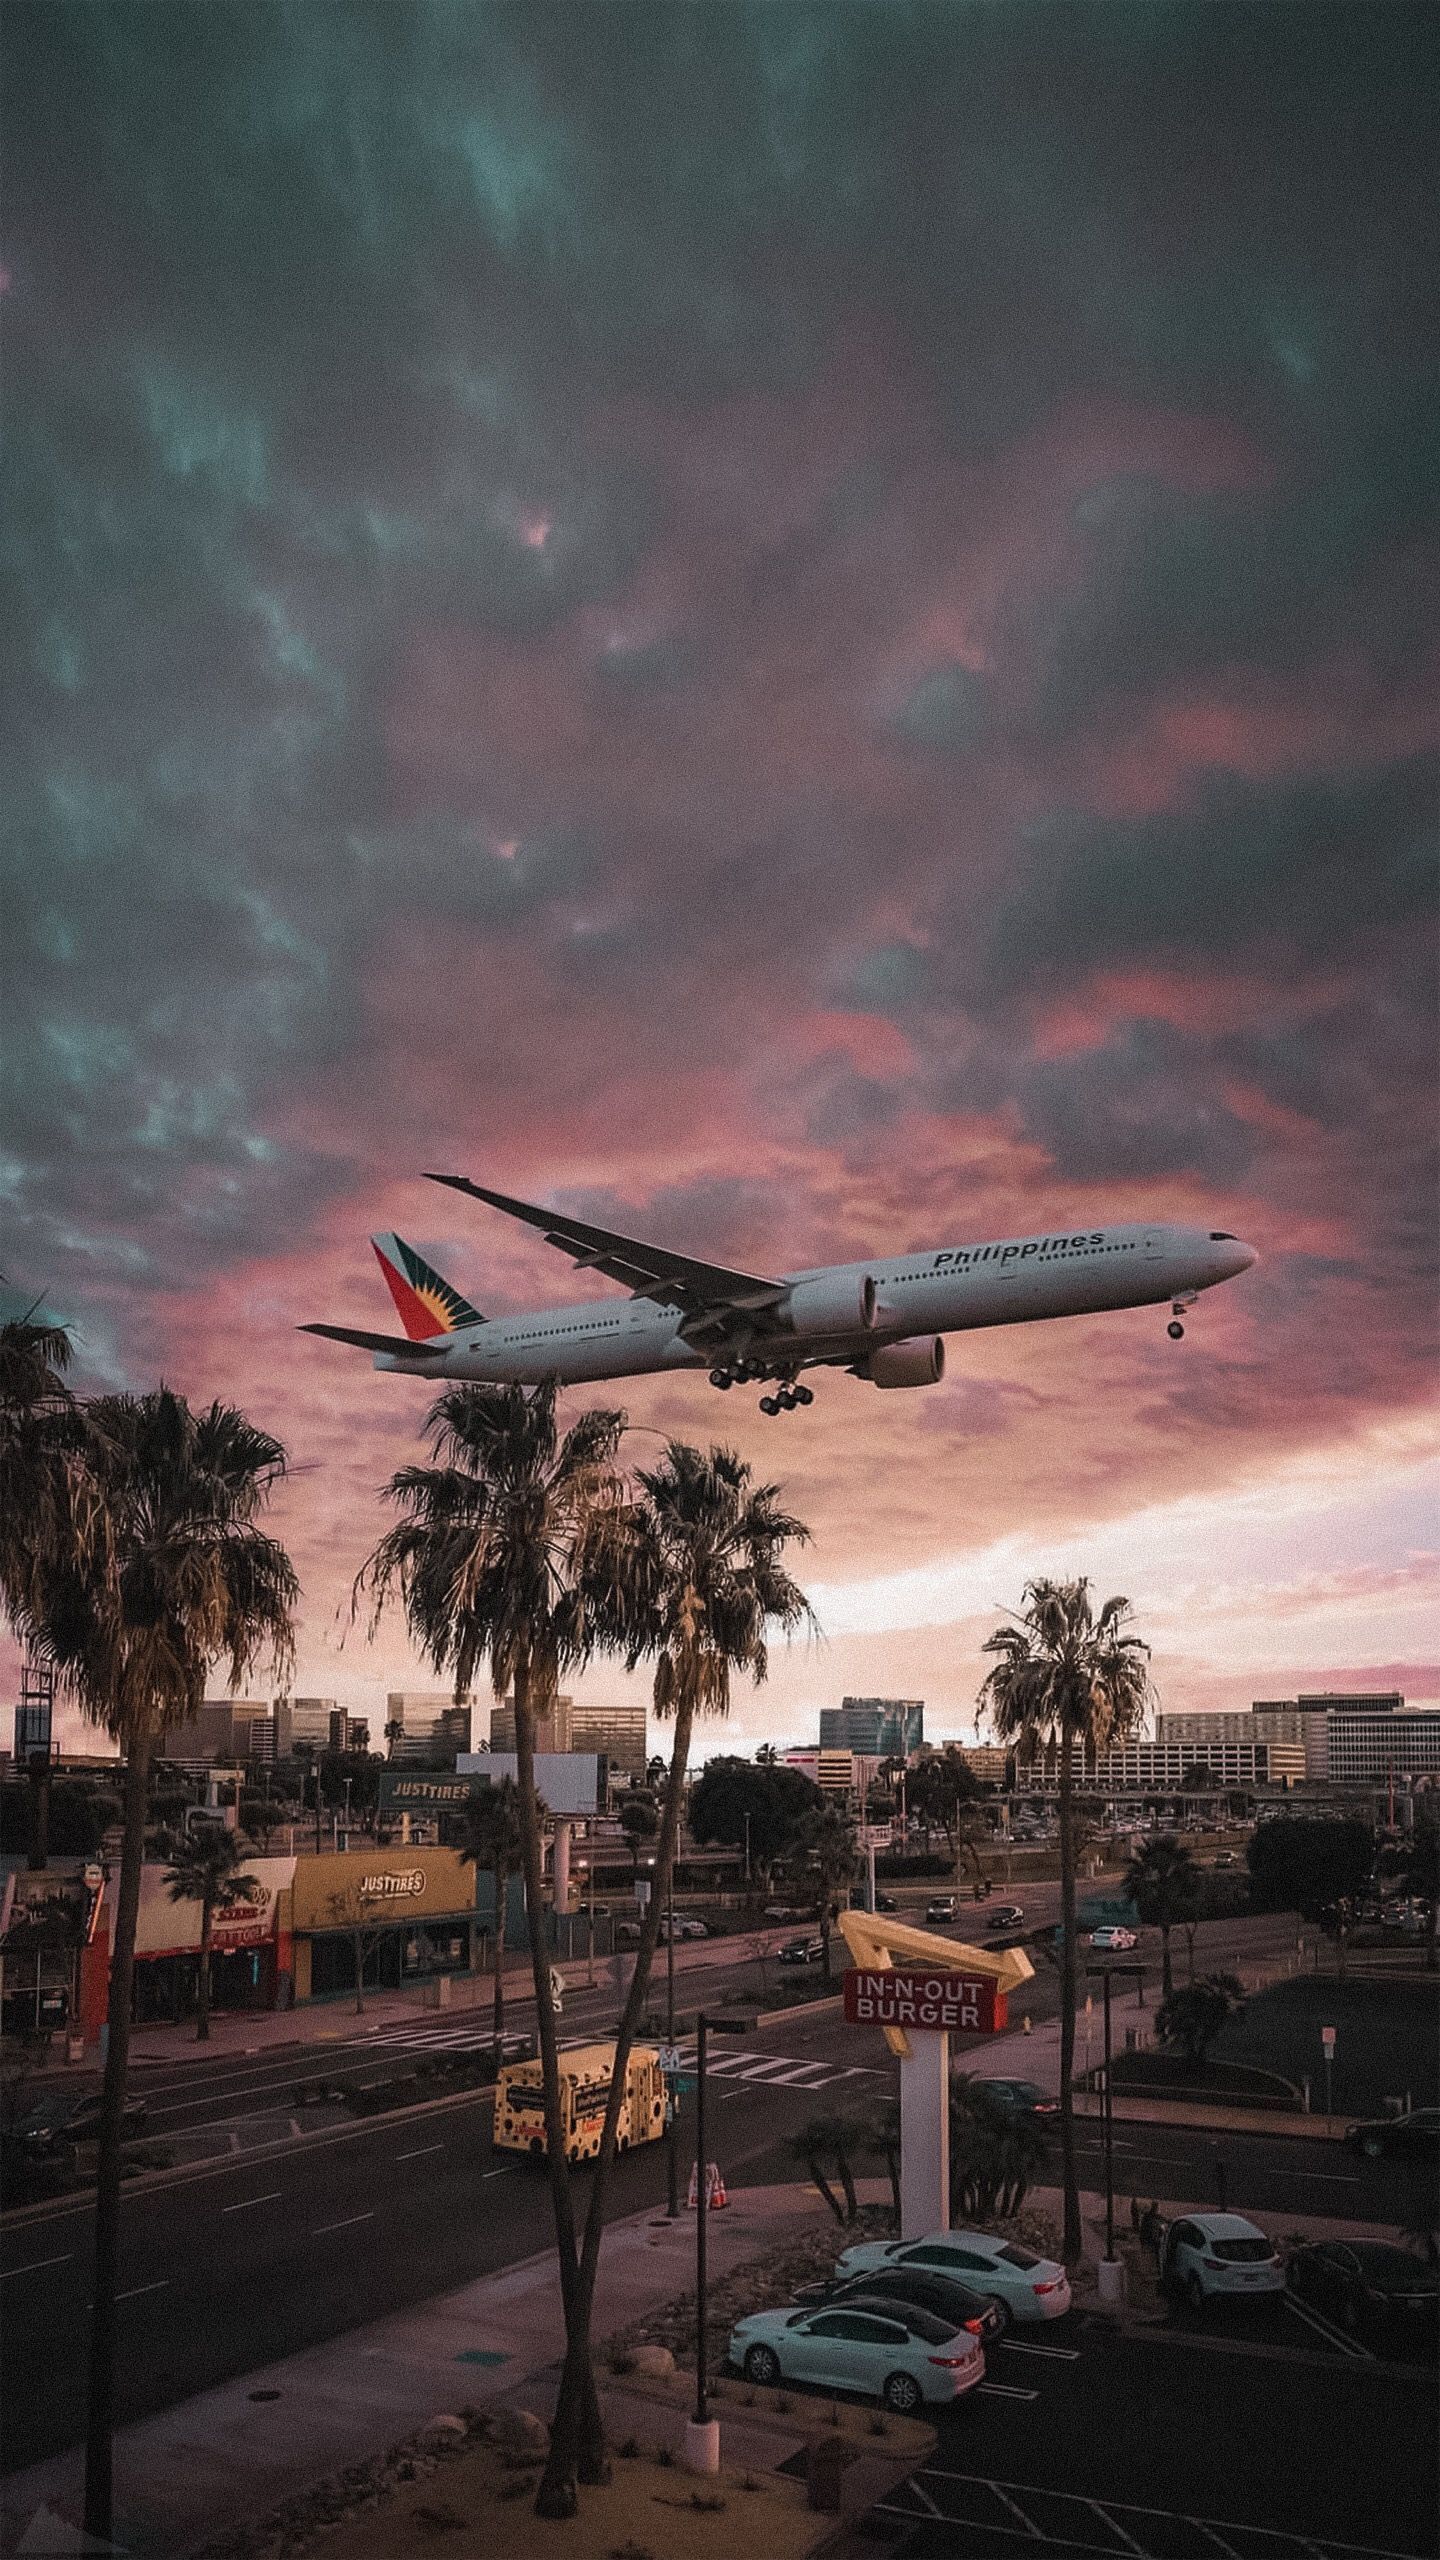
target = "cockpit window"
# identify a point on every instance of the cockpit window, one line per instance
(1218, 1236)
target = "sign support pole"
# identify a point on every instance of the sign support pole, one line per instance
(925, 2137)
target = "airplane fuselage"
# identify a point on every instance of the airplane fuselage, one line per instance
(952, 1289)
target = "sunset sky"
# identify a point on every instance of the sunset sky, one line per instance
(801, 629)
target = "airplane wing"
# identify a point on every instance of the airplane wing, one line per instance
(707, 1291)
(398, 1342)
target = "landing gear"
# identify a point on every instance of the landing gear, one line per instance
(1178, 1308)
(1176, 1330)
(804, 1395)
(769, 1404)
(786, 1397)
(721, 1378)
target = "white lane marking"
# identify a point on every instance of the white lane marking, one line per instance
(422, 2154)
(1326, 2329)
(247, 2201)
(137, 2289)
(1006, 2391)
(1107, 2518)
(1029, 2347)
(1028, 2522)
(347, 2225)
(491, 2173)
(35, 2266)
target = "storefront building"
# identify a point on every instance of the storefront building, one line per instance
(250, 1960)
(54, 1950)
(393, 1915)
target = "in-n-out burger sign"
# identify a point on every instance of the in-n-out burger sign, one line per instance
(389, 1883)
(904, 1997)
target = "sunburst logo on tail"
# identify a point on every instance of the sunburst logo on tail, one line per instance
(427, 1305)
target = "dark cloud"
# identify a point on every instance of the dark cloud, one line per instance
(1145, 1103)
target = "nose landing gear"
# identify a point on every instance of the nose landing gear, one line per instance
(1178, 1308)
(1176, 1330)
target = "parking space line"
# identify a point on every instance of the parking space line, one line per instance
(1031, 2347)
(1325, 2329)
(1005, 2391)
(1108, 2520)
(1028, 2522)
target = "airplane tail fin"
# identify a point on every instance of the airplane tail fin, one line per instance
(427, 1305)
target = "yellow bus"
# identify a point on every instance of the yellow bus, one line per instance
(586, 2072)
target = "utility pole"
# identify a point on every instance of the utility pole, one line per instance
(702, 2436)
(672, 2156)
(1109, 2134)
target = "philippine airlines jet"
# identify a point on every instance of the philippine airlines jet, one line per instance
(884, 1319)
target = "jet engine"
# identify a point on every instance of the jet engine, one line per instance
(920, 1362)
(836, 1302)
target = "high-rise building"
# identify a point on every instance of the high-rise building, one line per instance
(425, 1728)
(1351, 1702)
(1369, 1749)
(574, 1724)
(303, 1720)
(881, 1728)
(552, 1730)
(223, 1732)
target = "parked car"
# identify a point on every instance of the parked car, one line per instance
(1372, 2288)
(684, 1928)
(627, 1933)
(923, 2289)
(1210, 2253)
(1413, 2136)
(1107, 1942)
(779, 1911)
(1024, 2097)
(897, 2354)
(1224, 1857)
(1025, 2286)
(941, 1906)
(59, 2122)
(802, 1951)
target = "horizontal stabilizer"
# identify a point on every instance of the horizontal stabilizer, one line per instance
(398, 1343)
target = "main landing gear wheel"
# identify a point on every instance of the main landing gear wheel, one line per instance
(1176, 1330)
(721, 1378)
(804, 1395)
(769, 1404)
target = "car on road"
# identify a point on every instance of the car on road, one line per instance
(1024, 2098)
(1007, 1915)
(941, 1906)
(1224, 1857)
(780, 1911)
(1379, 2292)
(1412, 2136)
(923, 2290)
(1113, 1942)
(683, 1928)
(886, 1902)
(893, 2352)
(1025, 2286)
(801, 1951)
(1212, 2253)
(59, 2122)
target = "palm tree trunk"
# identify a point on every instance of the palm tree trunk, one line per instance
(502, 1881)
(100, 2415)
(1167, 1982)
(202, 1989)
(577, 2421)
(1068, 2176)
(558, 2494)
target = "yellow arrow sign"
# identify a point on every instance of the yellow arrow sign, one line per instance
(876, 1941)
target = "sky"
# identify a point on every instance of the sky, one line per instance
(798, 629)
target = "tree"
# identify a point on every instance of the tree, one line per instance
(156, 1573)
(1420, 1870)
(1193, 2016)
(995, 2152)
(765, 1802)
(881, 2141)
(1305, 1862)
(1158, 1881)
(364, 1921)
(1199, 1780)
(492, 1838)
(639, 1820)
(944, 1790)
(205, 1868)
(1065, 1677)
(509, 1551)
(695, 1589)
(823, 1866)
(827, 2147)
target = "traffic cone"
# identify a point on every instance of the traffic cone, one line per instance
(717, 2196)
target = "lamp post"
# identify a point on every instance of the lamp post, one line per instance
(745, 1818)
(702, 2435)
(672, 2156)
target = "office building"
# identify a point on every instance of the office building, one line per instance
(1375, 1748)
(552, 1730)
(303, 1720)
(987, 1761)
(426, 1728)
(574, 1724)
(223, 1733)
(881, 1728)
(1161, 1767)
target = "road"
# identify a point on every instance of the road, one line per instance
(252, 2257)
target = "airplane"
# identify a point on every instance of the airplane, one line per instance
(884, 1319)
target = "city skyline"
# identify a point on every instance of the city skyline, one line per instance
(792, 633)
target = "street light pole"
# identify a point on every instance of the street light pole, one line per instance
(672, 2155)
(1109, 2135)
(704, 2454)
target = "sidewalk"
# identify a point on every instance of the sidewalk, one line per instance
(232, 2454)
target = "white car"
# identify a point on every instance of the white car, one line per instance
(1113, 1941)
(895, 2351)
(1209, 2253)
(1023, 2286)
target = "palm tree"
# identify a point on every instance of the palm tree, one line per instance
(881, 2141)
(995, 2152)
(492, 1838)
(1193, 2016)
(827, 2147)
(1158, 1881)
(824, 1869)
(204, 1868)
(507, 1553)
(694, 1581)
(174, 1578)
(1066, 1676)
